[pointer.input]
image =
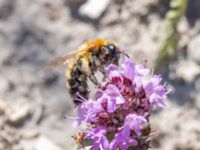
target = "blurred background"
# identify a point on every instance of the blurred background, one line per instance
(34, 101)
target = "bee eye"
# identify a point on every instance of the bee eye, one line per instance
(112, 49)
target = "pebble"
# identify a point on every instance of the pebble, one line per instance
(43, 143)
(2, 107)
(192, 70)
(93, 8)
(18, 116)
(194, 49)
(4, 86)
(29, 133)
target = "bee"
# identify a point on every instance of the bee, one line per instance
(82, 64)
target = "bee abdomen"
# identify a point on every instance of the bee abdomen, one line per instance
(77, 85)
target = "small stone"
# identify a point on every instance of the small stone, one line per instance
(94, 8)
(192, 70)
(141, 8)
(1, 124)
(5, 8)
(6, 55)
(44, 143)
(197, 100)
(193, 49)
(111, 18)
(2, 108)
(19, 116)
(30, 133)
(4, 86)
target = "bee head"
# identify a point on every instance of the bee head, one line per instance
(112, 49)
(113, 53)
(109, 54)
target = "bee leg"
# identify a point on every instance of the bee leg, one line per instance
(93, 78)
(102, 70)
(98, 64)
(96, 61)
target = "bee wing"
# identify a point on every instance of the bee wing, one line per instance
(65, 59)
(60, 60)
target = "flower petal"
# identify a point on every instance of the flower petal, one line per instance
(111, 106)
(129, 69)
(111, 68)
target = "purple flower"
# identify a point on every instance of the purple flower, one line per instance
(129, 69)
(111, 68)
(113, 74)
(141, 70)
(133, 122)
(98, 136)
(122, 141)
(113, 98)
(155, 91)
(87, 111)
(134, 72)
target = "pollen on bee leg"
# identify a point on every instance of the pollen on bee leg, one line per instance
(96, 61)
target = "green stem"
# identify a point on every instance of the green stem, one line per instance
(170, 47)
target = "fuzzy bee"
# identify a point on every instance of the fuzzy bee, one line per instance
(82, 64)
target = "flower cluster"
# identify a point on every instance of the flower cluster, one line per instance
(118, 116)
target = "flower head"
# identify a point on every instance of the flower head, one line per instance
(122, 105)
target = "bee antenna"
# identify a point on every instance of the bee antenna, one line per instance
(124, 53)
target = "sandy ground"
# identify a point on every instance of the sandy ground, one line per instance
(33, 101)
